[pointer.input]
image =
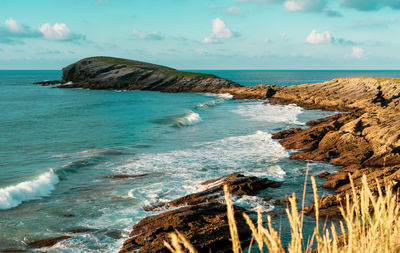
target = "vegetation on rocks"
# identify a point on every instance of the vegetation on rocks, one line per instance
(370, 223)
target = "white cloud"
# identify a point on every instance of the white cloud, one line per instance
(294, 6)
(59, 31)
(305, 5)
(14, 26)
(357, 52)
(14, 32)
(214, 6)
(147, 36)
(219, 31)
(320, 6)
(140, 34)
(266, 40)
(233, 10)
(17, 29)
(318, 38)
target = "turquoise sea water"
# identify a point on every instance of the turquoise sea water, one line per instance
(58, 148)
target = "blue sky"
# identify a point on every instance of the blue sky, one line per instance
(203, 34)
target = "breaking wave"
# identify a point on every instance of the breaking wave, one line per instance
(189, 119)
(42, 186)
(221, 98)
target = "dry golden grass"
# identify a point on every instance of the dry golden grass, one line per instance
(370, 223)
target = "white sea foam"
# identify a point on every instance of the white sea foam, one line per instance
(210, 103)
(189, 119)
(271, 113)
(253, 203)
(184, 170)
(225, 96)
(221, 98)
(43, 185)
(231, 152)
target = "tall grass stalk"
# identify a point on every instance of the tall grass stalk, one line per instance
(370, 223)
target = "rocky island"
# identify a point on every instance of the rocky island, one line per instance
(121, 74)
(363, 138)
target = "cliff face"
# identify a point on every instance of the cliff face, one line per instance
(121, 74)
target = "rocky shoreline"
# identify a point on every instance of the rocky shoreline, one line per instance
(363, 138)
(201, 217)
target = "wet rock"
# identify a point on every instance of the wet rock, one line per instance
(285, 134)
(79, 230)
(126, 176)
(204, 225)
(237, 184)
(267, 198)
(284, 202)
(48, 242)
(340, 183)
(47, 83)
(323, 174)
(202, 219)
(12, 251)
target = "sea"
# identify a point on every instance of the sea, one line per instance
(60, 148)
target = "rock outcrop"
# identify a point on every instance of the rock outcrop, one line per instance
(365, 140)
(238, 185)
(205, 225)
(200, 217)
(122, 74)
(367, 136)
(48, 242)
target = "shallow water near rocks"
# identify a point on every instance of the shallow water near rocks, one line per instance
(85, 163)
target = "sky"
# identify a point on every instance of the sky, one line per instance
(203, 34)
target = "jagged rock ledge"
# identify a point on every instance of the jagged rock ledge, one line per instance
(364, 140)
(200, 217)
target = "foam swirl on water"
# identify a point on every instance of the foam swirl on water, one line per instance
(13, 196)
(221, 98)
(189, 119)
(253, 154)
(225, 96)
(271, 113)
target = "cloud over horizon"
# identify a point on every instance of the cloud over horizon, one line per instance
(319, 38)
(357, 52)
(147, 36)
(59, 31)
(219, 31)
(273, 33)
(14, 32)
